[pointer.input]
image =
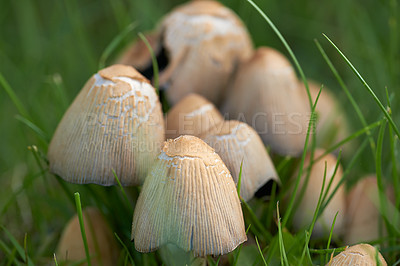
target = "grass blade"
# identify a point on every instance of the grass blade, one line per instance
(261, 254)
(20, 250)
(122, 190)
(239, 179)
(284, 260)
(282, 39)
(114, 44)
(82, 226)
(14, 98)
(153, 60)
(383, 109)
(125, 248)
(348, 94)
(330, 235)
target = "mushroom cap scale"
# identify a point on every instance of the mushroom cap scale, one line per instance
(266, 93)
(189, 199)
(361, 254)
(235, 142)
(193, 115)
(115, 122)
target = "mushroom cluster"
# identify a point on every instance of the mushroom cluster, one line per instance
(189, 196)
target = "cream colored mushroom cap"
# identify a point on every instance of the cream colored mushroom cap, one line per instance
(304, 214)
(362, 214)
(190, 200)
(266, 94)
(103, 248)
(235, 142)
(115, 122)
(193, 115)
(361, 254)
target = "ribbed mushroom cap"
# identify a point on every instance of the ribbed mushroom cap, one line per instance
(305, 211)
(115, 122)
(362, 255)
(332, 125)
(103, 248)
(362, 214)
(266, 94)
(189, 199)
(193, 115)
(203, 41)
(235, 141)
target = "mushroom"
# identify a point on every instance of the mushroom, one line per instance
(103, 249)
(304, 213)
(193, 115)
(362, 215)
(332, 125)
(235, 142)
(265, 93)
(189, 199)
(115, 122)
(362, 254)
(199, 45)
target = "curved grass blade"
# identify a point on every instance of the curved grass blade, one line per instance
(284, 260)
(261, 254)
(378, 102)
(153, 60)
(114, 43)
(82, 226)
(125, 248)
(330, 235)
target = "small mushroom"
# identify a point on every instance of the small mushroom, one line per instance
(189, 199)
(362, 215)
(115, 122)
(361, 254)
(235, 142)
(305, 212)
(193, 115)
(332, 125)
(199, 45)
(265, 93)
(103, 249)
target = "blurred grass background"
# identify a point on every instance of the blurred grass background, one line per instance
(48, 49)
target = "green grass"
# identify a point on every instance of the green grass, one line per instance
(49, 49)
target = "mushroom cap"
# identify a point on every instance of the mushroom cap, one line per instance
(103, 248)
(189, 199)
(332, 125)
(305, 211)
(115, 122)
(362, 214)
(265, 93)
(235, 142)
(193, 115)
(361, 254)
(204, 41)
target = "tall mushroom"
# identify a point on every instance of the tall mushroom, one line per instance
(103, 248)
(265, 93)
(189, 199)
(199, 45)
(193, 115)
(237, 142)
(304, 213)
(115, 122)
(362, 214)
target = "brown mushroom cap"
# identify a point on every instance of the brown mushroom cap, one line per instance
(103, 248)
(235, 141)
(266, 94)
(115, 122)
(189, 199)
(305, 211)
(361, 254)
(203, 41)
(193, 115)
(362, 214)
